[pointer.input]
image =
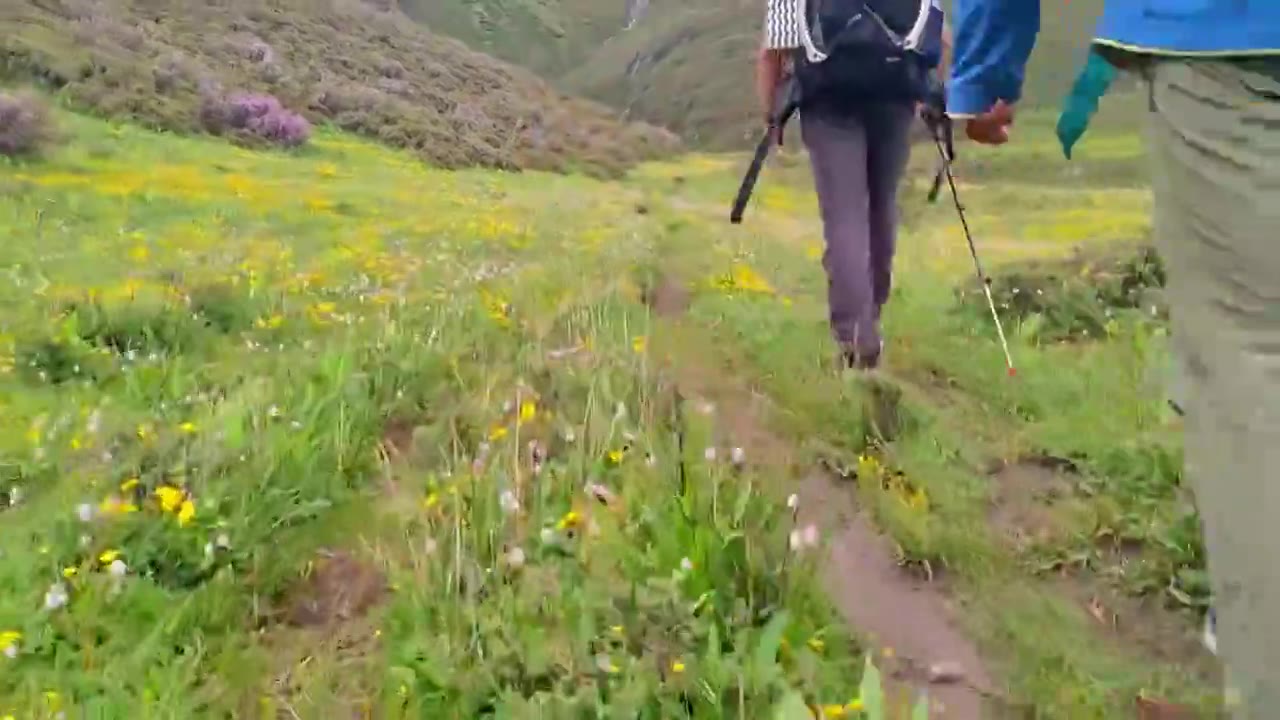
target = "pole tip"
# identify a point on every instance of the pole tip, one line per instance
(1013, 371)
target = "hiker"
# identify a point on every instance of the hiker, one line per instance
(857, 109)
(1212, 76)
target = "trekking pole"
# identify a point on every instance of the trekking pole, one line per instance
(785, 103)
(940, 125)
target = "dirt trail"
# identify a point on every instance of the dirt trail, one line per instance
(910, 617)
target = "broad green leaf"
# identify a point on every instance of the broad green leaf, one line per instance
(792, 707)
(766, 655)
(871, 692)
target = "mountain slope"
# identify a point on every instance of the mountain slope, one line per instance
(546, 36)
(686, 66)
(363, 66)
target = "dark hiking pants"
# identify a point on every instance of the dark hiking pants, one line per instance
(857, 163)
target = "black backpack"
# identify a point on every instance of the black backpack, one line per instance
(859, 51)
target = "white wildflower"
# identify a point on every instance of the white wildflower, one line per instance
(548, 536)
(56, 597)
(509, 502)
(804, 538)
(601, 493)
(570, 436)
(738, 456)
(709, 454)
(15, 495)
(515, 558)
(793, 501)
(605, 664)
(117, 568)
(686, 564)
(11, 651)
(84, 511)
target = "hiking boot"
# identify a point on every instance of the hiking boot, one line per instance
(855, 360)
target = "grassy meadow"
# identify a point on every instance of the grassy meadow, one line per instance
(332, 433)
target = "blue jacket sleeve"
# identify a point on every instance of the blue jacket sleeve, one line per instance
(993, 40)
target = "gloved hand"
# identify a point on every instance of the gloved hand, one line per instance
(1082, 102)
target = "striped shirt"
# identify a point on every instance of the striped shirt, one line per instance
(782, 24)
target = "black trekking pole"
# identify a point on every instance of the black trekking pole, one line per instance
(940, 127)
(784, 105)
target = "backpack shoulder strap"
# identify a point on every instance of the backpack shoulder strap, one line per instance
(921, 26)
(801, 12)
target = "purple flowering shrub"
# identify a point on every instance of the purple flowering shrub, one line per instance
(25, 125)
(257, 116)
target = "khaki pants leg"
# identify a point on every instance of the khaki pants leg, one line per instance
(1215, 143)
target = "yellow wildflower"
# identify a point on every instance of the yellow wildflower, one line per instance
(497, 433)
(116, 506)
(9, 638)
(834, 711)
(70, 571)
(53, 700)
(129, 485)
(817, 645)
(571, 519)
(187, 428)
(170, 498)
(639, 343)
(143, 432)
(615, 456)
(918, 500)
(186, 513)
(431, 501)
(272, 322)
(677, 667)
(109, 556)
(528, 410)
(868, 466)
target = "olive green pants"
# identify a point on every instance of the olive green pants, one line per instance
(1215, 143)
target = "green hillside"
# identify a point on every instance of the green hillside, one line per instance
(686, 66)
(337, 434)
(546, 36)
(365, 68)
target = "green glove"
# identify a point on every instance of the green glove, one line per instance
(1081, 104)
